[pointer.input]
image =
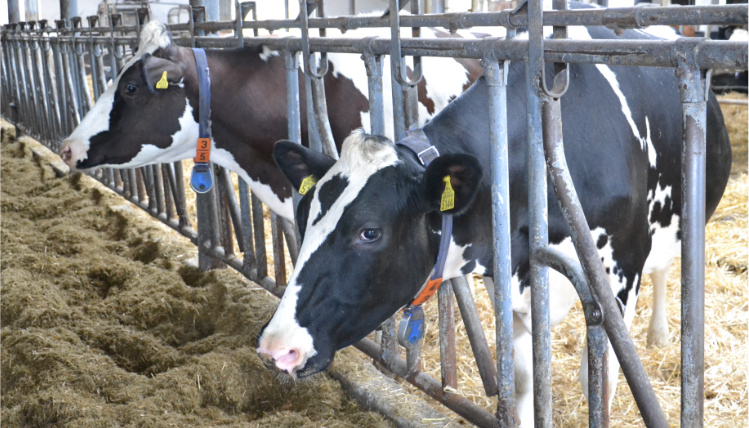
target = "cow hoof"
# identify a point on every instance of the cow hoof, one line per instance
(657, 338)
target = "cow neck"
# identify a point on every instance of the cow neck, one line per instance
(201, 180)
(418, 142)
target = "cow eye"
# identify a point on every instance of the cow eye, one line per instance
(370, 235)
(131, 89)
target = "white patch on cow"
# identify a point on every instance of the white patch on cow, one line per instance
(562, 294)
(282, 207)
(360, 159)
(665, 245)
(267, 53)
(184, 144)
(152, 37)
(455, 261)
(445, 77)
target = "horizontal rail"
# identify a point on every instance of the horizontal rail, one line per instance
(732, 101)
(626, 17)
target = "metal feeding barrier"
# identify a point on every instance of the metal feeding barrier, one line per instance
(45, 73)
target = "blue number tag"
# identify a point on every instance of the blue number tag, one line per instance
(412, 328)
(201, 180)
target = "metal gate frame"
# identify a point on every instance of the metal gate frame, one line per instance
(43, 71)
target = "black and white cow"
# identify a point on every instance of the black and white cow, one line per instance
(371, 224)
(133, 124)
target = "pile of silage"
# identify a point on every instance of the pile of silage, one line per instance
(105, 324)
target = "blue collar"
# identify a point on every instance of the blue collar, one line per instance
(201, 179)
(417, 141)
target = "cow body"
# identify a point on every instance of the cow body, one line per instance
(371, 226)
(134, 124)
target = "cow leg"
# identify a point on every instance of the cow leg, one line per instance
(562, 296)
(658, 328)
(523, 370)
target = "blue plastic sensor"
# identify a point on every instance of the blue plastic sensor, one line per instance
(412, 327)
(201, 179)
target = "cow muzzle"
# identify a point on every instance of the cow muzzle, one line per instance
(285, 359)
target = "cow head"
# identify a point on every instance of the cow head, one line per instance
(370, 229)
(143, 117)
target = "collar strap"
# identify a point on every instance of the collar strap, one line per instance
(201, 180)
(417, 141)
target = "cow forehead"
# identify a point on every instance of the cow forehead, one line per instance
(361, 157)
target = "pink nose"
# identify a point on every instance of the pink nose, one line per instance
(66, 154)
(286, 359)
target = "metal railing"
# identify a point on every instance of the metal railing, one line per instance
(45, 73)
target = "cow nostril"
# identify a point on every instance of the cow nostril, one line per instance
(66, 153)
(285, 359)
(288, 360)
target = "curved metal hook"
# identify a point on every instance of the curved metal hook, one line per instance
(312, 69)
(396, 57)
(561, 73)
(76, 45)
(118, 51)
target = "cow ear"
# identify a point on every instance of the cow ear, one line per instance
(451, 182)
(300, 164)
(159, 73)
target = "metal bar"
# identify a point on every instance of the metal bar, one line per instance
(484, 360)
(732, 101)
(626, 17)
(233, 208)
(257, 221)
(279, 260)
(433, 388)
(448, 357)
(248, 261)
(587, 252)
(496, 75)
(399, 112)
(158, 183)
(693, 159)
(538, 228)
(179, 194)
(373, 64)
(313, 134)
(655, 53)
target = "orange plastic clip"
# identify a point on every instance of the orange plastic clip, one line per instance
(203, 153)
(432, 286)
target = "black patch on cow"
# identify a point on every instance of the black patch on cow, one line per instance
(329, 192)
(662, 212)
(468, 267)
(602, 241)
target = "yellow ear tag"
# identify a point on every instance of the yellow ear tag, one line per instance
(448, 196)
(162, 83)
(307, 184)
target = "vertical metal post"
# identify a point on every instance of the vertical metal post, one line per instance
(373, 64)
(14, 12)
(496, 79)
(694, 98)
(399, 112)
(538, 233)
(248, 259)
(448, 358)
(68, 9)
(587, 252)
